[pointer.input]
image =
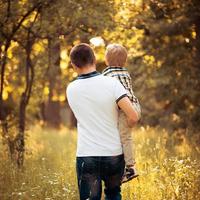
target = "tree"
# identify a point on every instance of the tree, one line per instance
(26, 28)
(162, 38)
(11, 23)
(172, 46)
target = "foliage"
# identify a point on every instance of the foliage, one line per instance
(166, 171)
(163, 40)
(67, 20)
(172, 49)
(31, 36)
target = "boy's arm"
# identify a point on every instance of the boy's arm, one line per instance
(125, 104)
(128, 86)
(127, 107)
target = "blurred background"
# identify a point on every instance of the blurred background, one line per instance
(163, 41)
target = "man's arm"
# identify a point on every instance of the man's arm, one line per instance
(127, 107)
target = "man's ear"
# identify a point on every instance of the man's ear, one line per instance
(73, 65)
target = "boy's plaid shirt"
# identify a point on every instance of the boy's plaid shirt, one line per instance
(124, 77)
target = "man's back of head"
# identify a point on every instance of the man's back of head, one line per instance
(82, 55)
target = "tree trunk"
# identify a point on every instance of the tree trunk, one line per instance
(3, 66)
(3, 110)
(19, 140)
(52, 107)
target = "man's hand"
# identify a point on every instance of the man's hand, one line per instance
(127, 107)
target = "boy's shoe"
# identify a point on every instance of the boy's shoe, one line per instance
(129, 174)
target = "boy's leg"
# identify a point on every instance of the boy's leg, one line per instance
(126, 140)
(127, 145)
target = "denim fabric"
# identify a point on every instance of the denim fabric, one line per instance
(91, 171)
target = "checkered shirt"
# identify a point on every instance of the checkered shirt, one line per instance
(124, 77)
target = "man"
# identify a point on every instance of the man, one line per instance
(95, 100)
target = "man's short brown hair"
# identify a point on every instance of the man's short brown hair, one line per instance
(82, 55)
(115, 55)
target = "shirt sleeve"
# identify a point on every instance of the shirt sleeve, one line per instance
(120, 91)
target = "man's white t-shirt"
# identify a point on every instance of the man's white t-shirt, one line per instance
(93, 99)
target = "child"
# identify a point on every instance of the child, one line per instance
(116, 56)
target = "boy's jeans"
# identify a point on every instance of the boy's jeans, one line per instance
(92, 170)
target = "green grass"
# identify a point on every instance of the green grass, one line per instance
(167, 170)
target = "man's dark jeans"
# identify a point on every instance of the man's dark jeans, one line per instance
(92, 170)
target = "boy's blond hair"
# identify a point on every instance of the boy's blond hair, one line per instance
(115, 55)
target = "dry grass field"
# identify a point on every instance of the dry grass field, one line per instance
(168, 170)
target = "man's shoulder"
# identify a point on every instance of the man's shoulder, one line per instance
(101, 80)
(71, 86)
(108, 79)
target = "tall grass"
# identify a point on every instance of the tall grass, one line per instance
(168, 169)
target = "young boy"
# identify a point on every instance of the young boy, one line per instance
(115, 57)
